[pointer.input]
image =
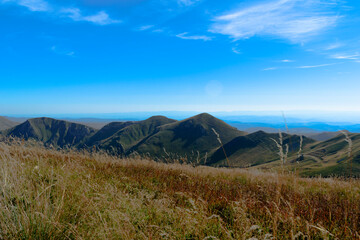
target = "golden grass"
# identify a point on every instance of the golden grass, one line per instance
(48, 194)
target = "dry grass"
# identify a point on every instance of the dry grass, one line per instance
(48, 194)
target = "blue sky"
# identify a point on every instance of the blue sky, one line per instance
(92, 56)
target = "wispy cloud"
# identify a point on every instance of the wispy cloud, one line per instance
(317, 66)
(334, 46)
(301, 67)
(158, 30)
(187, 2)
(193, 37)
(236, 50)
(32, 5)
(287, 61)
(145, 27)
(270, 69)
(61, 51)
(346, 56)
(100, 18)
(295, 20)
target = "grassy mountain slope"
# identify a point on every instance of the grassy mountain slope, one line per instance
(254, 149)
(326, 158)
(51, 131)
(106, 132)
(6, 123)
(331, 157)
(192, 138)
(128, 136)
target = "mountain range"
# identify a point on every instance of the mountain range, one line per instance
(201, 139)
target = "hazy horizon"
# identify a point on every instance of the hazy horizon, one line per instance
(236, 116)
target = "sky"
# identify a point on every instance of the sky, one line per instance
(109, 56)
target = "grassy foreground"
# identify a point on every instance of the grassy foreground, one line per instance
(49, 194)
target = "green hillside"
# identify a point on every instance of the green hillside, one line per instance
(191, 139)
(122, 140)
(50, 131)
(255, 149)
(106, 132)
(331, 157)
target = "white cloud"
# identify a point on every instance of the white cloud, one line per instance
(101, 18)
(32, 5)
(334, 46)
(346, 56)
(270, 69)
(317, 66)
(294, 20)
(145, 27)
(287, 61)
(194, 37)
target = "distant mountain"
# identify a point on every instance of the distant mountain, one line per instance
(189, 139)
(5, 123)
(119, 138)
(302, 128)
(254, 149)
(310, 132)
(322, 136)
(96, 123)
(51, 131)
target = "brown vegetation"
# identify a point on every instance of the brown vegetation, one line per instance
(49, 194)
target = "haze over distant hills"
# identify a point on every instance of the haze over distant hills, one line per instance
(5, 123)
(268, 122)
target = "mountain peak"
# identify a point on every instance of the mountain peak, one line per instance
(203, 116)
(158, 117)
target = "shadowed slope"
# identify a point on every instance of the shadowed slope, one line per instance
(51, 131)
(256, 148)
(106, 132)
(126, 137)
